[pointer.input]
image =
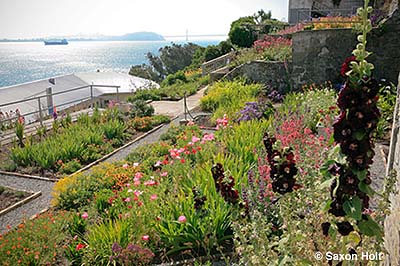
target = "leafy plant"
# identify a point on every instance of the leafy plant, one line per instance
(101, 238)
(19, 132)
(228, 98)
(140, 109)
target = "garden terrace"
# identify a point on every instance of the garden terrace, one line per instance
(182, 207)
(69, 146)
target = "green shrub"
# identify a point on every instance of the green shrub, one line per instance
(70, 167)
(114, 129)
(229, 98)
(174, 78)
(140, 109)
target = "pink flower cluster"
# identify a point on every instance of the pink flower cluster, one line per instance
(271, 42)
(178, 153)
(222, 122)
(292, 29)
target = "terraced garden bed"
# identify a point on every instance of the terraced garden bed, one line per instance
(9, 197)
(68, 146)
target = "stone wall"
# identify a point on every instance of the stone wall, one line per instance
(392, 222)
(275, 74)
(318, 55)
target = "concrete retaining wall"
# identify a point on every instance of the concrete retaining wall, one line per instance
(392, 222)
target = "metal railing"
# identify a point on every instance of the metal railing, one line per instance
(39, 110)
(216, 63)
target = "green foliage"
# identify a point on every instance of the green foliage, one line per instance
(36, 242)
(172, 58)
(114, 129)
(140, 109)
(145, 71)
(70, 167)
(229, 98)
(214, 51)
(41, 131)
(80, 142)
(101, 238)
(242, 32)
(175, 91)
(148, 155)
(73, 192)
(314, 105)
(386, 104)
(146, 123)
(19, 132)
(171, 79)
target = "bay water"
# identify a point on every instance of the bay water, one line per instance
(22, 62)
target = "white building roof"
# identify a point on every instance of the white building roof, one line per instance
(127, 83)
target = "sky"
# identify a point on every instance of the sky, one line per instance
(46, 18)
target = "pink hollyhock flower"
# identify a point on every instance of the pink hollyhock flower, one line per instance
(127, 199)
(145, 238)
(153, 197)
(182, 219)
(164, 174)
(85, 215)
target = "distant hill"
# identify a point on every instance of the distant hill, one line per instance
(135, 36)
(139, 36)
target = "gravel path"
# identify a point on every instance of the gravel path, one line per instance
(14, 217)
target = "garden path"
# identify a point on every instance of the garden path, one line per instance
(16, 216)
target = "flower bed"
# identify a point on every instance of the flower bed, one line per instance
(70, 146)
(9, 197)
(261, 196)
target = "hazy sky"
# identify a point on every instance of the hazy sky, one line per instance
(43, 18)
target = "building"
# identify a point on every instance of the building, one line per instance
(69, 92)
(304, 10)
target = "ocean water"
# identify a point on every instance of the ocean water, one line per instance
(24, 62)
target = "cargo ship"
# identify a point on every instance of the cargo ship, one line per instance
(56, 42)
